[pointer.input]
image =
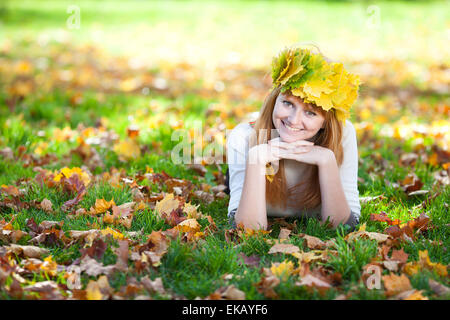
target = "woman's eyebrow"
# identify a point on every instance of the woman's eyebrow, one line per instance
(306, 105)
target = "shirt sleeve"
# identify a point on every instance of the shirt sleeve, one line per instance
(349, 168)
(237, 153)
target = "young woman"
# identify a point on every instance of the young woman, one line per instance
(300, 156)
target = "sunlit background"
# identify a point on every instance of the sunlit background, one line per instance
(71, 68)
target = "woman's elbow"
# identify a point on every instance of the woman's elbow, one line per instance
(249, 223)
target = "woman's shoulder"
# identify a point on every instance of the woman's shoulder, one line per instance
(348, 132)
(241, 130)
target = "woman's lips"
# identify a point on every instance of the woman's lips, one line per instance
(290, 131)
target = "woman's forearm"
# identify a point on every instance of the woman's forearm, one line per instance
(251, 211)
(334, 203)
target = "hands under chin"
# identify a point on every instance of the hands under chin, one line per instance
(304, 151)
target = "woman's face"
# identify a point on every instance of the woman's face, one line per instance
(295, 120)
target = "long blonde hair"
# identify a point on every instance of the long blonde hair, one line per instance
(307, 192)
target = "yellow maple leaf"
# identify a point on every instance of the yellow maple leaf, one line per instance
(41, 148)
(188, 225)
(49, 266)
(283, 269)
(167, 204)
(270, 172)
(101, 205)
(416, 295)
(64, 134)
(68, 172)
(140, 206)
(127, 149)
(425, 263)
(93, 291)
(114, 233)
(191, 211)
(310, 255)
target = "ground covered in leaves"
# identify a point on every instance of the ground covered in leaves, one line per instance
(92, 207)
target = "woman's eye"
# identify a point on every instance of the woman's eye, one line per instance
(287, 102)
(310, 113)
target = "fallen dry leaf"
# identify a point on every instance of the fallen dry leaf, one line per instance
(362, 233)
(229, 293)
(313, 242)
(46, 205)
(396, 284)
(27, 251)
(425, 263)
(94, 268)
(282, 269)
(312, 281)
(410, 295)
(284, 233)
(267, 284)
(101, 206)
(438, 288)
(153, 286)
(284, 248)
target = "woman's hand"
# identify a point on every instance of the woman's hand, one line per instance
(273, 151)
(303, 151)
(264, 153)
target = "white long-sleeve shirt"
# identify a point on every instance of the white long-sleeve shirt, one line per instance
(237, 153)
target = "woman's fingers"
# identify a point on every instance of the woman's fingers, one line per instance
(281, 153)
(290, 145)
(297, 150)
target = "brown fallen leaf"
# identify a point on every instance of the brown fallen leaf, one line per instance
(284, 248)
(42, 286)
(27, 251)
(267, 284)
(383, 217)
(46, 205)
(94, 268)
(438, 288)
(410, 295)
(362, 233)
(284, 233)
(252, 260)
(391, 265)
(313, 281)
(228, 293)
(153, 286)
(396, 284)
(411, 183)
(313, 242)
(368, 199)
(73, 278)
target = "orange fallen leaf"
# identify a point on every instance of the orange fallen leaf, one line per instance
(395, 284)
(101, 205)
(425, 263)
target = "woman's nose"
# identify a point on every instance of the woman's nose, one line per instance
(296, 118)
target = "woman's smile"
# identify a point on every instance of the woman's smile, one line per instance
(290, 128)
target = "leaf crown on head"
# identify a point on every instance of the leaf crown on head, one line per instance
(311, 77)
